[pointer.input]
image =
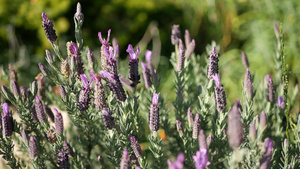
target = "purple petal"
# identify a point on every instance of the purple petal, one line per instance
(148, 55)
(155, 99)
(144, 66)
(106, 74)
(5, 108)
(84, 80)
(44, 16)
(268, 77)
(216, 79)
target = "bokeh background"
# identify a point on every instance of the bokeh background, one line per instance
(235, 25)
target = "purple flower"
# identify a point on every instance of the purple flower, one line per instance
(200, 159)
(196, 127)
(33, 150)
(99, 92)
(5, 108)
(175, 36)
(280, 102)
(178, 163)
(245, 60)
(6, 121)
(248, 87)
(111, 59)
(74, 49)
(181, 57)
(104, 42)
(48, 28)
(39, 110)
(59, 123)
(148, 55)
(84, 95)
(270, 89)
(125, 161)
(266, 158)
(216, 79)
(146, 75)
(134, 76)
(63, 159)
(220, 95)
(154, 113)
(190, 117)
(212, 67)
(136, 147)
(133, 55)
(108, 118)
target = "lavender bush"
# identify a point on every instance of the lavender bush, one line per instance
(119, 122)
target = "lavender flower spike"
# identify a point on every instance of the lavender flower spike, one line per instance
(245, 60)
(146, 75)
(280, 102)
(104, 47)
(99, 92)
(190, 49)
(248, 87)
(59, 122)
(6, 121)
(235, 128)
(270, 89)
(107, 118)
(84, 95)
(212, 67)
(178, 164)
(263, 120)
(200, 159)
(33, 150)
(266, 158)
(114, 85)
(63, 160)
(136, 147)
(111, 59)
(48, 28)
(179, 128)
(181, 57)
(220, 95)
(187, 38)
(190, 117)
(154, 113)
(125, 160)
(196, 127)
(39, 110)
(202, 139)
(134, 76)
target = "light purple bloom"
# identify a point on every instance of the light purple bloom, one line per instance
(280, 102)
(155, 99)
(102, 40)
(133, 55)
(5, 108)
(178, 164)
(216, 79)
(74, 49)
(200, 159)
(148, 55)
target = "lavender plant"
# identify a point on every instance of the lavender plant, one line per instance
(92, 121)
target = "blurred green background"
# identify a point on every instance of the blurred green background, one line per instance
(235, 25)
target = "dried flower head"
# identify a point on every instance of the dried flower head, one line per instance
(65, 68)
(13, 76)
(48, 28)
(234, 128)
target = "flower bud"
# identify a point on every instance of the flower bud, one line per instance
(265, 161)
(59, 123)
(181, 57)
(15, 89)
(24, 136)
(62, 92)
(90, 57)
(65, 68)
(7, 121)
(248, 87)
(44, 70)
(234, 128)
(187, 38)
(78, 15)
(48, 28)
(252, 131)
(190, 117)
(39, 110)
(202, 139)
(134, 76)
(33, 149)
(209, 139)
(13, 76)
(179, 128)
(49, 112)
(49, 57)
(263, 120)
(270, 89)
(146, 75)
(245, 60)
(190, 49)
(196, 127)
